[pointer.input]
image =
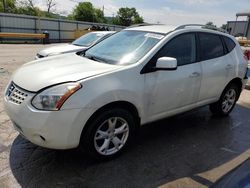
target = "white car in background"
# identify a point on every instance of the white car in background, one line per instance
(97, 99)
(80, 44)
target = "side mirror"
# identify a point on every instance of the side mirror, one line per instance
(166, 63)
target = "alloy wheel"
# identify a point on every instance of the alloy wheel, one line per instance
(229, 100)
(111, 136)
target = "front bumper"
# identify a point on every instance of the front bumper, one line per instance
(51, 129)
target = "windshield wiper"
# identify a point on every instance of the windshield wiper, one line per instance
(96, 59)
(77, 44)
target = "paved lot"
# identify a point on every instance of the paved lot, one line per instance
(194, 148)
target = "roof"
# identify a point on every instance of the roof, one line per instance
(166, 28)
(154, 28)
(103, 32)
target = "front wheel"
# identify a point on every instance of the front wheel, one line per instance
(109, 134)
(227, 101)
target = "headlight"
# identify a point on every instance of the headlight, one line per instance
(54, 97)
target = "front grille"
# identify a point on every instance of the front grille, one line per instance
(16, 94)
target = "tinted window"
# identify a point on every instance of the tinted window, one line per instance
(182, 48)
(210, 46)
(229, 44)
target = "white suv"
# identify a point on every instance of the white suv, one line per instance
(136, 76)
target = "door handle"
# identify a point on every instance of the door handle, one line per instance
(228, 67)
(195, 74)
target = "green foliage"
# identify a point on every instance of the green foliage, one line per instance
(9, 6)
(27, 10)
(127, 16)
(210, 24)
(70, 17)
(99, 16)
(224, 26)
(1, 7)
(86, 12)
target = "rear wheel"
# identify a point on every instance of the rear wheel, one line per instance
(109, 134)
(227, 101)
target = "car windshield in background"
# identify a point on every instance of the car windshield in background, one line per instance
(88, 39)
(125, 47)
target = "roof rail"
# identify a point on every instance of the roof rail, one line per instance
(141, 24)
(202, 26)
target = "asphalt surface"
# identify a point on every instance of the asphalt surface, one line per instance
(239, 177)
(163, 152)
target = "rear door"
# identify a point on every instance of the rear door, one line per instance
(214, 66)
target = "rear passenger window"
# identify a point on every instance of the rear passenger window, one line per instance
(230, 44)
(210, 46)
(182, 47)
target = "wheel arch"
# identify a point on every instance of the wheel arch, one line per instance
(237, 81)
(117, 104)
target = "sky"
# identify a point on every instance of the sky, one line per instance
(171, 12)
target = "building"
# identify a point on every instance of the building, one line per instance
(240, 28)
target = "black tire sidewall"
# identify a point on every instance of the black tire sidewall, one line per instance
(87, 138)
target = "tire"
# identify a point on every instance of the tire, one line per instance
(227, 101)
(108, 134)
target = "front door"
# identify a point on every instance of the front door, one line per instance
(168, 91)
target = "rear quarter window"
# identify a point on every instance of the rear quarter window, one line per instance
(210, 46)
(230, 44)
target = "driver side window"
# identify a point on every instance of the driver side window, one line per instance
(182, 47)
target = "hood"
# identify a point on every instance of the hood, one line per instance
(42, 73)
(59, 49)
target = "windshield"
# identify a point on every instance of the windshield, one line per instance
(88, 39)
(125, 47)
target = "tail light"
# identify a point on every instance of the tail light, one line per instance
(247, 55)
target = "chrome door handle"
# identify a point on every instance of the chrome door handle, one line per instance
(195, 74)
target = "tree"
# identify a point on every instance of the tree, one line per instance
(127, 16)
(99, 16)
(28, 7)
(50, 4)
(8, 6)
(29, 11)
(26, 3)
(84, 12)
(224, 26)
(30, 3)
(210, 24)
